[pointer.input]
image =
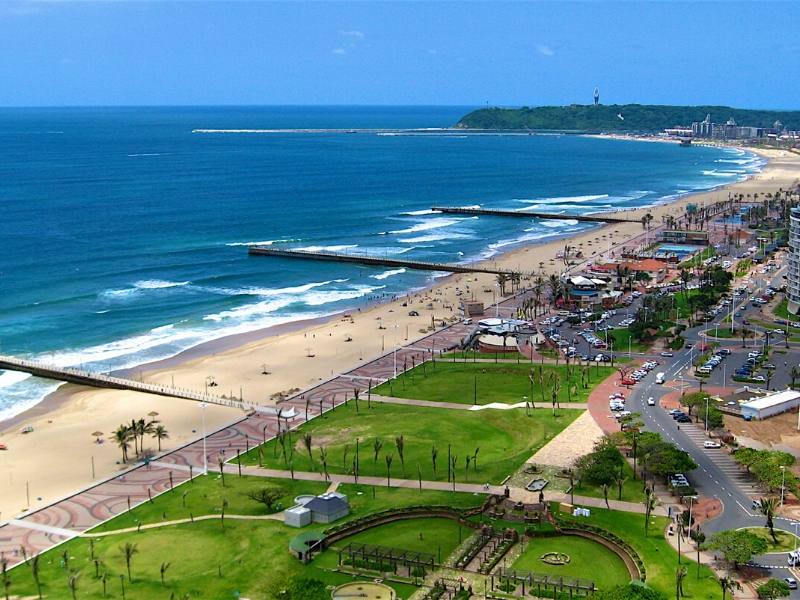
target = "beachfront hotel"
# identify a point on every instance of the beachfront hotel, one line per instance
(793, 274)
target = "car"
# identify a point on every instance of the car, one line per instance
(667, 354)
(769, 366)
(688, 346)
(759, 379)
(684, 419)
(678, 413)
(791, 582)
(710, 444)
(672, 411)
(651, 401)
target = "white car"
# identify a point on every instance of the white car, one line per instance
(651, 401)
(711, 444)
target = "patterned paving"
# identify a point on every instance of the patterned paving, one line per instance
(55, 524)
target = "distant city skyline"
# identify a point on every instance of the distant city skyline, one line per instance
(63, 53)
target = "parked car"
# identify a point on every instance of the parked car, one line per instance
(711, 444)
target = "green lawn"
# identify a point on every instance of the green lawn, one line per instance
(622, 337)
(585, 557)
(509, 383)
(659, 557)
(504, 439)
(786, 541)
(782, 311)
(205, 495)
(631, 489)
(432, 535)
(253, 556)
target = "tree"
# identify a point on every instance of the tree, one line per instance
(769, 507)
(399, 443)
(267, 496)
(72, 583)
(389, 459)
(5, 577)
(376, 449)
(163, 571)
(738, 546)
(434, 454)
(629, 591)
(773, 589)
(307, 443)
(649, 504)
(620, 480)
(128, 551)
(605, 487)
(680, 575)
(728, 584)
(122, 437)
(34, 563)
(160, 433)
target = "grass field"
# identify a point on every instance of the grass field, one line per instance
(621, 339)
(253, 556)
(786, 540)
(503, 439)
(509, 383)
(470, 354)
(205, 495)
(585, 557)
(631, 488)
(659, 557)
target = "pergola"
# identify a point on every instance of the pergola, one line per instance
(539, 581)
(384, 555)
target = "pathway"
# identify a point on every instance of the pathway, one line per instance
(466, 406)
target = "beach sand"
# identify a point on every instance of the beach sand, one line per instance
(56, 458)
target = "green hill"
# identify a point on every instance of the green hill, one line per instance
(605, 117)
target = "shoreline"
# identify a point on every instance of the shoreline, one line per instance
(298, 354)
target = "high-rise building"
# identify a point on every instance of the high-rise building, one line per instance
(793, 276)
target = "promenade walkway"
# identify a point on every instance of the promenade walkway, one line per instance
(71, 516)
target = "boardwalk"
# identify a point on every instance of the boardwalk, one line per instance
(364, 259)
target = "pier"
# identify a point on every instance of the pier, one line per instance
(373, 260)
(100, 380)
(601, 218)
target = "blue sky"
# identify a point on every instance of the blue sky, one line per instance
(56, 53)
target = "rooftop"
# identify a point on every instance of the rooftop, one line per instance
(772, 400)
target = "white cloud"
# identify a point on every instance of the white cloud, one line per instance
(339, 51)
(353, 33)
(545, 50)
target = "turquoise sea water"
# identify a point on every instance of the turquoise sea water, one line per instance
(124, 233)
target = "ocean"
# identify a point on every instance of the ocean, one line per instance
(124, 230)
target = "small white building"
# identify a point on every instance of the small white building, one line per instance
(297, 516)
(770, 405)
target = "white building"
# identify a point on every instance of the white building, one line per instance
(793, 274)
(325, 508)
(770, 405)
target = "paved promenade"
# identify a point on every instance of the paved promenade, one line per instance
(68, 518)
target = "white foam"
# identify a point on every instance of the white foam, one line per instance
(563, 199)
(387, 274)
(420, 213)
(11, 377)
(141, 286)
(434, 237)
(427, 225)
(554, 223)
(338, 248)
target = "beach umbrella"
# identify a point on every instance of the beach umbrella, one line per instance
(152, 413)
(97, 435)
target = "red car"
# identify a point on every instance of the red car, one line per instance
(628, 381)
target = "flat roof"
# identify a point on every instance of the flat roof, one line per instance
(772, 400)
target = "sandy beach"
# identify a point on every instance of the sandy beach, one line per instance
(58, 457)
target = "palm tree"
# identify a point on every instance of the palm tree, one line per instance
(6, 578)
(34, 563)
(728, 584)
(620, 480)
(128, 551)
(680, 575)
(389, 459)
(160, 433)
(307, 439)
(399, 443)
(122, 437)
(768, 508)
(502, 279)
(323, 458)
(605, 487)
(794, 373)
(72, 582)
(434, 454)
(163, 569)
(649, 504)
